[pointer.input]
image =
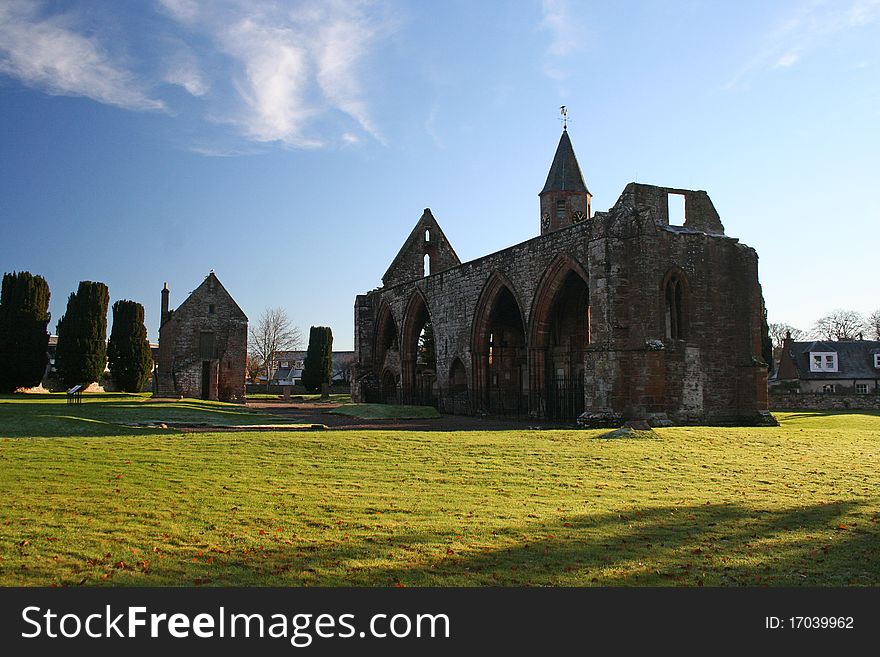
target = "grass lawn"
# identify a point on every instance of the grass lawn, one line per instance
(386, 412)
(86, 501)
(335, 397)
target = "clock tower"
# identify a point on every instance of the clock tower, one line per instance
(565, 199)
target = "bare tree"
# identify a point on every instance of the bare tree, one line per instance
(254, 367)
(777, 335)
(272, 333)
(841, 325)
(874, 324)
(342, 366)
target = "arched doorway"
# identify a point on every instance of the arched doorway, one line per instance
(389, 388)
(418, 354)
(457, 400)
(501, 374)
(560, 335)
(386, 361)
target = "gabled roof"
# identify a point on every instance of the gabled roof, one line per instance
(565, 174)
(413, 243)
(855, 359)
(210, 286)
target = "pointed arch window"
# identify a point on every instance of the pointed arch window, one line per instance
(675, 305)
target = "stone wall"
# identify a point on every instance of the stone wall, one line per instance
(823, 401)
(632, 369)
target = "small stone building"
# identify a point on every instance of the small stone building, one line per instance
(616, 315)
(203, 345)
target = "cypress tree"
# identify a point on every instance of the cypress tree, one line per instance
(128, 352)
(318, 366)
(81, 355)
(24, 315)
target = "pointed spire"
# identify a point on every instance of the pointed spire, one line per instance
(565, 174)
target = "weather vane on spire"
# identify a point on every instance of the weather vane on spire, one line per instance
(563, 113)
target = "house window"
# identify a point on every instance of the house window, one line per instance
(828, 387)
(862, 388)
(877, 360)
(284, 363)
(674, 299)
(560, 209)
(823, 361)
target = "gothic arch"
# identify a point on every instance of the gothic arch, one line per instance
(386, 337)
(675, 300)
(498, 345)
(488, 296)
(559, 332)
(418, 377)
(457, 377)
(552, 280)
(389, 387)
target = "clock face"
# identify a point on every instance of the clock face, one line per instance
(579, 216)
(545, 221)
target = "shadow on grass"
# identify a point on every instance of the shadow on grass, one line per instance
(801, 413)
(109, 418)
(712, 545)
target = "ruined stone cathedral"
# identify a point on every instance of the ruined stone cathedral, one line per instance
(602, 318)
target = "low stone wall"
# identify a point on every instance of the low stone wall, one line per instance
(824, 401)
(260, 388)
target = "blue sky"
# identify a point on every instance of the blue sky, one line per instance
(291, 146)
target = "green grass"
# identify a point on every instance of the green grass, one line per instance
(49, 415)
(797, 504)
(387, 411)
(335, 397)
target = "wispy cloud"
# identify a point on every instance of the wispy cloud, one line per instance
(557, 21)
(807, 29)
(47, 53)
(291, 72)
(431, 126)
(290, 62)
(182, 69)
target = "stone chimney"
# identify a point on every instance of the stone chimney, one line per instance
(165, 293)
(787, 367)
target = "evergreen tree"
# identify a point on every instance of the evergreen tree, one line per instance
(128, 352)
(427, 351)
(24, 315)
(81, 354)
(318, 366)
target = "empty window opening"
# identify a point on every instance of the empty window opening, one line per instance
(211, 309)
(560, 209)
(676, 209)
(427, 234)
(427, 264)
(674, 299)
